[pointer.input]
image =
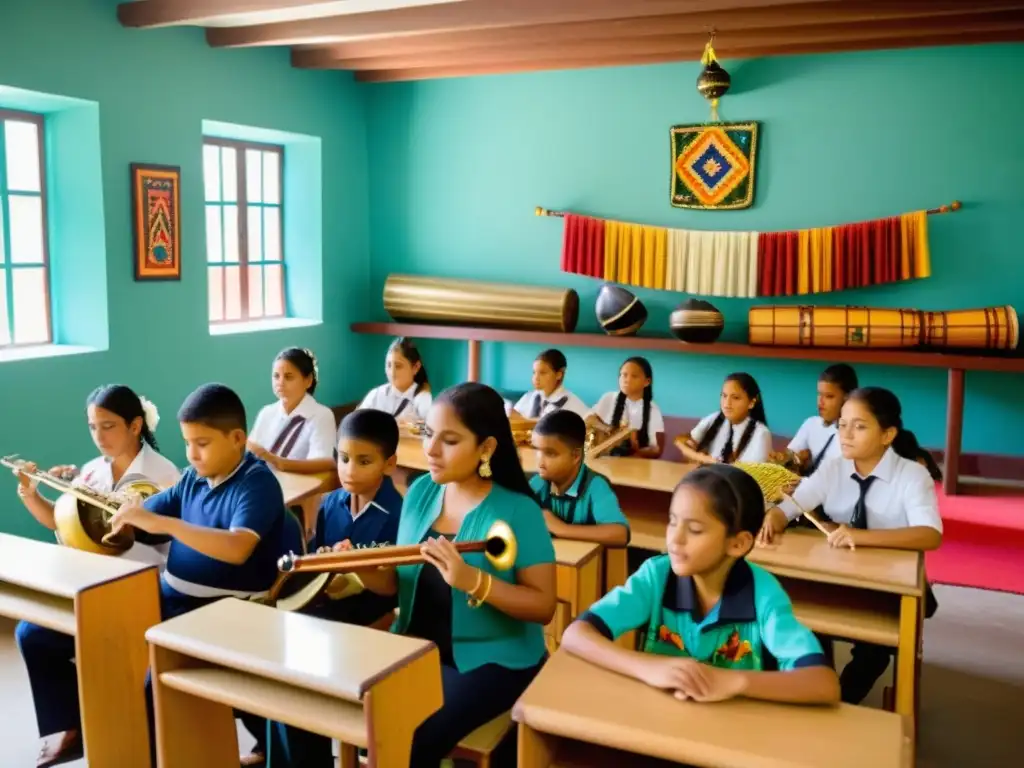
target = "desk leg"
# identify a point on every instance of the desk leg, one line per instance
(908, 661)
(616, 570)
(110, 649)
(536, 749)
(396, 706)
(954, 430)
(190, 732)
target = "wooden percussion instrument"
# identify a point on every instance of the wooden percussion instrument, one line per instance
(82, 515)
(880, 328)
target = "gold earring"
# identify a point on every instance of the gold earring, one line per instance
(485, 467)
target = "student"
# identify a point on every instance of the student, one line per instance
(549, 393)
(364, 512)
(406, 396)
(716, 626)
(122, 425)
(816, 439)
(578, 503)
(880, 493)
(737, 432)
(633, 404)
(295, 434)
(488, 624)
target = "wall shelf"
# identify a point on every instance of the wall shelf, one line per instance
(956, 364)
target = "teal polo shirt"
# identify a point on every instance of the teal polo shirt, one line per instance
(590, 500)
(752, 626)
(481, 635)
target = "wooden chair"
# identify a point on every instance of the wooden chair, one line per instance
(478, 746)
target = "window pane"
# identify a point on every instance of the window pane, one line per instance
(22, 142)
(5, 332)
(214, 243)
(255, 292)
(30, 306)
(216, 280)
(271, 177)
(26, 229)
(233, 293)
(3, 245)
(253, 176)
(211, 172)
(272, 234)
(230, 174)
(274, 292)
(230, 233)
(254, 247)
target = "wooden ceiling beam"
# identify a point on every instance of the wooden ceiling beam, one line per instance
(725, 43)
(852, 11)
(472, 14)
(149, 14)
(562, 63)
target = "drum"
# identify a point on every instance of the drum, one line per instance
(988, 328)
(803, 326)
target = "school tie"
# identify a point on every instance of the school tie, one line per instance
(726, 455)
(556, 403)
(821, 455)
(860, 510)
(536, 408)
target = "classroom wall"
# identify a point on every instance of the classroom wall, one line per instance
(458, 165)
(154, 89)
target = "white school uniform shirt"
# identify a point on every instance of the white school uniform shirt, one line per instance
(316, 436)
(387, 398)
(524, 406)
(816, 436)
(901, 496)
(149, 465)
(757, 449)
(633, 412)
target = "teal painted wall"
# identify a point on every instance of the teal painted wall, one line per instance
(457, 167)
(154, 88)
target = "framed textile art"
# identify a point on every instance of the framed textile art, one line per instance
(713, 165)
(156, 221)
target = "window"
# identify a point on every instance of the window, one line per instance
(24, 277)
(245, 261)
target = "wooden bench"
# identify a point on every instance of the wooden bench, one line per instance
(357, 685)
(478, 746)
(573, 715)
(106, 604)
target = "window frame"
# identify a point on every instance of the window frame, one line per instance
(242, 204)
(8, 264)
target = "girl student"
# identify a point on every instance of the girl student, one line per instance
(715, 626)
(879, 493)
(549, 393)
(817, 438)
(488, 624)
(737, 432)
(122, 426)
(633, 404)
(406, 396)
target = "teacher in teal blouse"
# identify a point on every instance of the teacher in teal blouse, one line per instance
(488, 624)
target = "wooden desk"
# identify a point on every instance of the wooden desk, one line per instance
(573, 714)
(297, 488)
(578, 567)
(107, 604)
(358, 685)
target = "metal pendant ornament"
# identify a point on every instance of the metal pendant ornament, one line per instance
(713, 81)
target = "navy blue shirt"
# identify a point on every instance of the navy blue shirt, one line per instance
(250, 499)
(375, 525)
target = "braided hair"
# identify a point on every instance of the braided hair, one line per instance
(749, 385)
(643, 437)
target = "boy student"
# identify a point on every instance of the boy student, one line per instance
(225, 516)
(364, 512)
(578, 503)
(716, 626)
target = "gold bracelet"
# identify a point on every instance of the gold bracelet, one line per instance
(479, 581)
(476, 602)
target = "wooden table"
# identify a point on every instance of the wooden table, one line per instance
(297, 488)
(107, 604)
(578, 567)
(355, 684)
(575, 714)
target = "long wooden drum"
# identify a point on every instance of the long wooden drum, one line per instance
(412, 298)
(880, 328)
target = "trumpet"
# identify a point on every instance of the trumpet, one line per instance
(82, 515)
(499, 547)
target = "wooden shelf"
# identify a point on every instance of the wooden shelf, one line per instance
(896, 357)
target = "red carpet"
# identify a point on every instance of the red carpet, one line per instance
(983, 543)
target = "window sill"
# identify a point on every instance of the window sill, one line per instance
(252, 326)
(10, 354)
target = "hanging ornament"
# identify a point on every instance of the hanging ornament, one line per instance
(713, 81)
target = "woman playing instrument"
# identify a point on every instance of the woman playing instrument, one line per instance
(487, 623)
(122, 425)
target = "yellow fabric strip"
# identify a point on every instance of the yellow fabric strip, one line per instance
(827, 238)
(803, 259)
(907, 244)
(611, 243)
(923, 267)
